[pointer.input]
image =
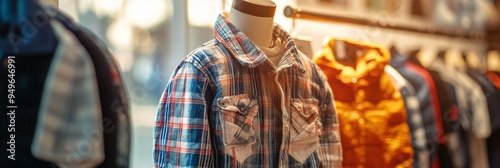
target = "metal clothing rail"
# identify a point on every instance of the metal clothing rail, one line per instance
(298, 13)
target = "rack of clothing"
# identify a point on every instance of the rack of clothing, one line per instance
(69, 106)
(451, 118)
(298, 13)
(450, 111)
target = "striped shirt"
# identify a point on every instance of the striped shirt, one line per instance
(227, 105)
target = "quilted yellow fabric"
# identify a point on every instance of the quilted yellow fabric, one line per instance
(371, 111)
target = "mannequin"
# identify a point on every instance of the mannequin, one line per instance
(454, 58)
(255, 18)
(242, 109)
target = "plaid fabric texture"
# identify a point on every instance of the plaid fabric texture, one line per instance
(227, 105)
(69, 129)
(414, 119)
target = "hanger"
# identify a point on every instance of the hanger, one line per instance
(456, 59)
(465, 60)
(394, 49)
(25, 29)
(441, 54)
(413, 57)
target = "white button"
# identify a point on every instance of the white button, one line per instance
(354, 80)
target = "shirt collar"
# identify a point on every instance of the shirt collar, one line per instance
(397, 59)
(372, 59)
(246, 52)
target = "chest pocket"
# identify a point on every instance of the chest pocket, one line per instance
(306, 128)
(237, 114)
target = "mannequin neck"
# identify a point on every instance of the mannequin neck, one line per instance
(258, 27)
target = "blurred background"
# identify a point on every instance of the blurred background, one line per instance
(150, 37)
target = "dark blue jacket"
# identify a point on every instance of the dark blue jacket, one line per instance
(422, 90)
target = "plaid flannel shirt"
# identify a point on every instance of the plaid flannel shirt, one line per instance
(227, 105)
(70, 114)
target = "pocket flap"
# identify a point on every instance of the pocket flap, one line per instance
(241, 103)
(306, 107)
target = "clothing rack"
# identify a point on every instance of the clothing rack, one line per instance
(298, 13)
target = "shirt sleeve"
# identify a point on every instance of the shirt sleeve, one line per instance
(331, 148)
(181, 135)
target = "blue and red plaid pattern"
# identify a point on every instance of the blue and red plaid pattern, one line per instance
(227, 105)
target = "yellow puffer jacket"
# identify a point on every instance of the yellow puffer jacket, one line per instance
(371, 111)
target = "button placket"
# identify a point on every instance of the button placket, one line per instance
(285, 120)
(287, 128)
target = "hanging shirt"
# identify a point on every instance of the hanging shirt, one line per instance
(456, 144)
(113, 96)
(494, 77)
(415, 121)
(492, 97)
(424, 95)
(70, 114)
(471, 99)
(453, 153)
(473, 110)
(33, 58)
(440, 138)
(445, 103)
(225, 105)
(371, 110)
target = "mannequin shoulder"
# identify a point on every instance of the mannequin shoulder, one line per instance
(209, 54)
(307, 61)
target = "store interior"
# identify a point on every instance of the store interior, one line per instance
(149, 38)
